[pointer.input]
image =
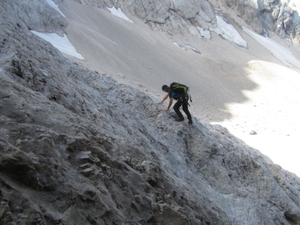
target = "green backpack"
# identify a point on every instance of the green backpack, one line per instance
(181, 88)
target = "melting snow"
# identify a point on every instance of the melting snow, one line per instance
(279, 51)
(229, 32)
(119, 13)
(61, 43)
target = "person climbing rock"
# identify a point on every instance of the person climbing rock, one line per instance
(179, 92)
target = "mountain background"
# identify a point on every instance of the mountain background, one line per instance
(81, 146)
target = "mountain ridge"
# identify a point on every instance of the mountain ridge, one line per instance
(179, 17)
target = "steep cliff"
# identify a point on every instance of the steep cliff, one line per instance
(281, 17)
(79, 148)
(181, 16)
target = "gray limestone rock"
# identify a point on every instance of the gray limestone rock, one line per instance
(267, 15)
(35, 15)
(181, 17)
(76, 147)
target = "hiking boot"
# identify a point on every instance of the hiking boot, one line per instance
(179, 119)
(190, 122)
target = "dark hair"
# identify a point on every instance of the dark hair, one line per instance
(164, 87)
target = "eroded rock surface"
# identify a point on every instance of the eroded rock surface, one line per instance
(282, 16)
(78, 148)
(189, 16)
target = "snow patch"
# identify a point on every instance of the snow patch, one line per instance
(228, 32)
(119, 13)
(279, 51)
(61, 43)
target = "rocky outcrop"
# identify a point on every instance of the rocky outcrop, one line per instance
(281, 17)
(190, 17)
(173, 17)
(78, 148)
(36, 15)
(176, 16)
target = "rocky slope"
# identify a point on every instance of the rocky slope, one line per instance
(79, 148)
(192, 17)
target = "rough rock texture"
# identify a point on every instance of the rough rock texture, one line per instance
(188, 16)
(173, 17)
(35, 15)
(267, 15)
(78, 148)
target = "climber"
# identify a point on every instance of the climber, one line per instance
(178, 92)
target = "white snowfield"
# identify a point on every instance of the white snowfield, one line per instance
(61, 43)
(119, 13)
(272, 109)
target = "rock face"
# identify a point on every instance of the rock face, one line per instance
(282, 16)
(189, 16)
(173, 17)
(78, 148)
(37, 15)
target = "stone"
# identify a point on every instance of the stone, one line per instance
(76, 147)
(180, 17)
